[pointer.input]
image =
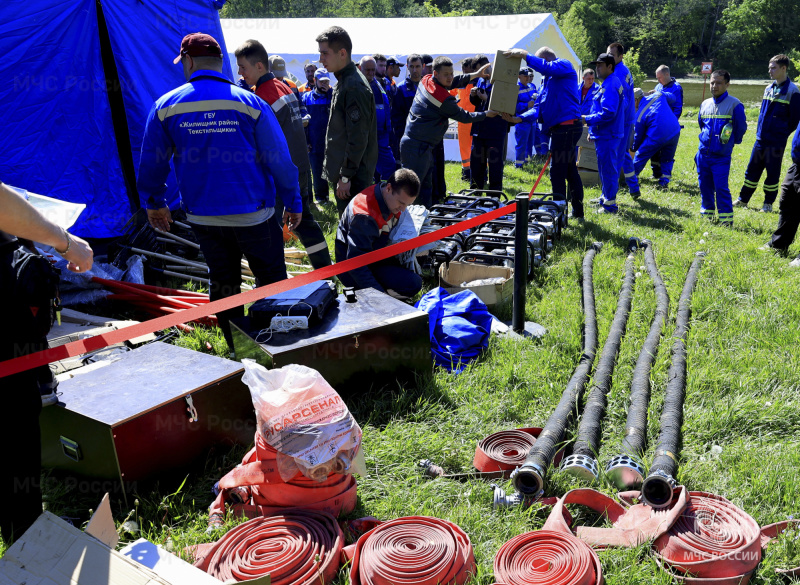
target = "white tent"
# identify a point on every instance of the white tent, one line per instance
(457, 38)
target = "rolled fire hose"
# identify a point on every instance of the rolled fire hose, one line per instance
(713, 542)
(296, 547)
(415, 550)
(657, 488)
(582, 463)
(546, 557)
(255, 488)
(529, 478)
(625, 470)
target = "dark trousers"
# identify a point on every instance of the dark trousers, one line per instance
(223, 248)
(763, 157)
(563, 170)
(20, 473)
(489, 152)
(356, 187)
(439, 184)
(789, 217)
(308, 231)
(418, 156)
(321, 187)
(392, 276)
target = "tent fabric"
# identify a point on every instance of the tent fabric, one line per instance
(455, 37)
(57, 138)
(459, 324)
(145, 38)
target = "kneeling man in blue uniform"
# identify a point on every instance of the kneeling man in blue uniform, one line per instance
(656, 131)
(722, 124)
(366, 226)
(606, 122)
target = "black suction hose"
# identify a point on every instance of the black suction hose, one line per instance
(625, 470)
(657, 488)
(529, 477)
(582, 462)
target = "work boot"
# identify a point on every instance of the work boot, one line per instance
(465, 175)
(767, 208)
(636, 194)
(740, 203)
(795, 263)
(598, 201)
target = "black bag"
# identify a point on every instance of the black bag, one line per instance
(35, 291)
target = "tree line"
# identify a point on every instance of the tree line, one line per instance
(737, 35)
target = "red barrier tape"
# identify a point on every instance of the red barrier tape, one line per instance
(89, 344)
(506, 450)
(415, 550)
(713, 542)
(255, 488)
(545, 557)
(296, 547)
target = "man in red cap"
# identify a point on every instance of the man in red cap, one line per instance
(231, 159)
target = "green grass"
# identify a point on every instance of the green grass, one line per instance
(743, 389)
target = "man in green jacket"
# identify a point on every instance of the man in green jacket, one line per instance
(351, 143)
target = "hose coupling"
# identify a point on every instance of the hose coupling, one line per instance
(430, 469)
(625, 472)
(581, 466)
(529, 480)
(657, 489)
(501, 500)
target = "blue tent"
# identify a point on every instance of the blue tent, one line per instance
(80, 77)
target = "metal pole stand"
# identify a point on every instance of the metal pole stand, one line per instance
(518, 326)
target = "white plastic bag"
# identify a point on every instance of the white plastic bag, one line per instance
(305, 420)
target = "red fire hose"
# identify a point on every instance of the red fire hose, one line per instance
(255, 488)
(547, 557)
(297, 547)
(415, 550)
(713, 542)
(506, 450)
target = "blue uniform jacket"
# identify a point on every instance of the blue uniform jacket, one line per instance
(229, 151)
(714, 114)
(431, 110)
(624, 74)
(382, 113)
(559, 100)
(655, 122)
(365, 226)
(527, 93)
(674, 89)
(586, 103)
(401, 105)
(607, 117)
(796, 147)
(780, 113)
(318, 106)
(490, 128)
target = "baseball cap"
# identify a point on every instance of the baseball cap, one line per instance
(426, 59)
(606, 58)
(277, 65)
(524, 71)
(638, 93)
(321, 74)
(394, 61)
(199, 45)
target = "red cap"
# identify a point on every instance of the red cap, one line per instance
(199, 45)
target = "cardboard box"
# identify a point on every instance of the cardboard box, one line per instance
(584, 141)
(495, 296)
(53, 552)
(589, 178)
(587, 158)
(505, 74)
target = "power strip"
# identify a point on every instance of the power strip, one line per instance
(282, 324)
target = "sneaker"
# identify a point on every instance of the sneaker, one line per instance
(740, 203)
(598, 201)
(636, 194)
(765, 248)
(608, 211)
(578, 218)
(767, 208)
(795, 263)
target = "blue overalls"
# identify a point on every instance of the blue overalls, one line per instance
(629, 108)
(779, 116)
(386, 163)
(318, 106)
(523, 133)
(714, 158)
(656, 130)
(606, 129)
(674, 93)
(586, 102)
